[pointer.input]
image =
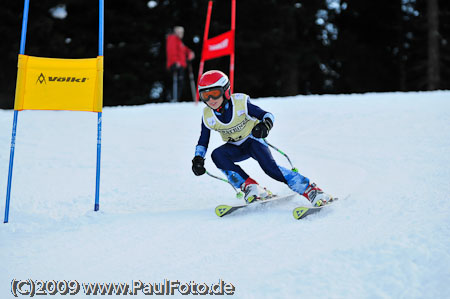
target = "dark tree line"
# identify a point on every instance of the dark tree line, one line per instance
(283, 47)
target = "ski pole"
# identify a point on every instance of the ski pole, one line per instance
(281, 152)
(239, 194)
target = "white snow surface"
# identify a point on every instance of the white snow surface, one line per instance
(389, 239)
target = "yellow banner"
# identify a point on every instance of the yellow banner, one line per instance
(59, 84)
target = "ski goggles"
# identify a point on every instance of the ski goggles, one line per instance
(207, 95)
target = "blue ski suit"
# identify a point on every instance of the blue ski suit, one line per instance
(225, 156)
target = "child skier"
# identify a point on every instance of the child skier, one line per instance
(242, 125)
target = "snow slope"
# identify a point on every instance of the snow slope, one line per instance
(389, 239)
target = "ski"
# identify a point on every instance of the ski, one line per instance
(222, 210)
(302, 212)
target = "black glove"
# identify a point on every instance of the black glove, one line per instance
(261, 130)
(198, 165)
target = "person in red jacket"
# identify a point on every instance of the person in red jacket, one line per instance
(177, 56)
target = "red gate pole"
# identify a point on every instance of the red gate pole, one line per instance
(233, 31)
(205, 38)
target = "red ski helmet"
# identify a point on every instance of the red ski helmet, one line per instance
(214, 84)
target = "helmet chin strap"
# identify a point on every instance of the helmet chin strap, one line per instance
(222, 107)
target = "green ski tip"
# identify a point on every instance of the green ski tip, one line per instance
(222, 210)
(300, 212)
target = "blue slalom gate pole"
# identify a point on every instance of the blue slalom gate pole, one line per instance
(11, 163)
(23, 39)
(100, 27)
(99, 152)
(99, 122)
